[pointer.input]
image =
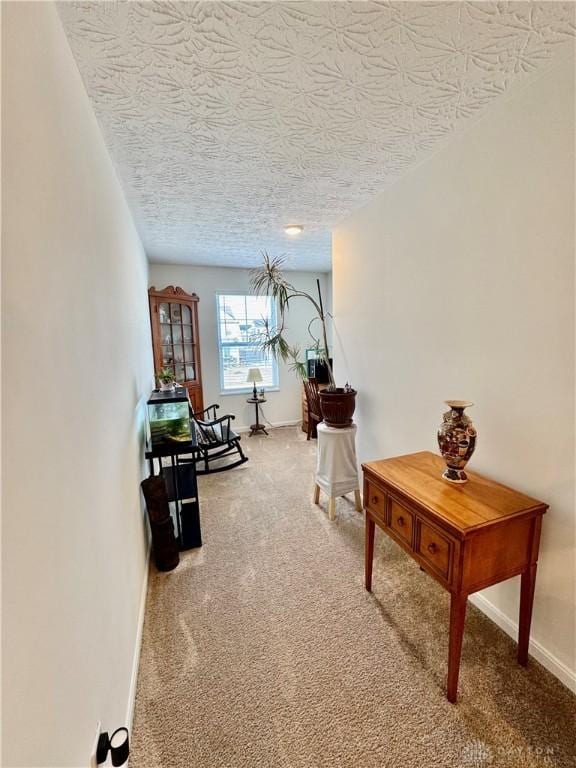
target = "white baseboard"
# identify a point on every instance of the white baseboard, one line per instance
(137, 646)
(547, 659)
(291, 423)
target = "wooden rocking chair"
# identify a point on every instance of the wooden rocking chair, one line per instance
(314, 410)
(216, 441)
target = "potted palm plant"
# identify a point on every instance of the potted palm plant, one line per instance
(337, 403)
(166, 378)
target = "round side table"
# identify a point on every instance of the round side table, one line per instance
(337, 466)
(258, 427)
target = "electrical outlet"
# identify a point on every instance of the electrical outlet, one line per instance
(93, 763)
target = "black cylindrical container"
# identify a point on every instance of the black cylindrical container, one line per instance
(164, 544)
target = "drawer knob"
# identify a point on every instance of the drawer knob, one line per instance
(432, 548)
(400, 520)
(374, 499)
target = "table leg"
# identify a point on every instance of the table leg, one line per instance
(358, 500)
(457, 617)
(177, 500)
(316, 494)
(368, 552)
(526, 601)
(332, 508)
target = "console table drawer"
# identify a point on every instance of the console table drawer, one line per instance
(435, 549)
(401, 521)
(375, 500)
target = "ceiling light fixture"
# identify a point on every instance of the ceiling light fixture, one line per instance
(293, 229)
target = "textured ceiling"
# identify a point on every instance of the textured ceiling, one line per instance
(229, 120)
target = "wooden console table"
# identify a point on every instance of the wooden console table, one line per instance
(467, 537)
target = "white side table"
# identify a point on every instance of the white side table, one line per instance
(337, 467)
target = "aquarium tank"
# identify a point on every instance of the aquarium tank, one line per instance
(169, 417)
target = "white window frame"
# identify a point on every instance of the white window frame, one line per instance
(275, 387)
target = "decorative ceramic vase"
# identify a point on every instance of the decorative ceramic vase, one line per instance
(167, 386)
(457, 440)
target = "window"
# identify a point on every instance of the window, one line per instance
(241, 323)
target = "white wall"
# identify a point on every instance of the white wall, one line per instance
(459, 282)
(282, 406)
(76, 363)
(329, 302)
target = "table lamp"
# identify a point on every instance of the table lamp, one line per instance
(254, 375)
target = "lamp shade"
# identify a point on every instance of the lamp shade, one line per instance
(254, 375)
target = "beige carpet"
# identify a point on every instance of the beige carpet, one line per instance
(263, 648)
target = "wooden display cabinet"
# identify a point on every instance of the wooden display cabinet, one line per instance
(176, 340)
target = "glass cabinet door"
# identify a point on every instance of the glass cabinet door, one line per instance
(177, 340)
